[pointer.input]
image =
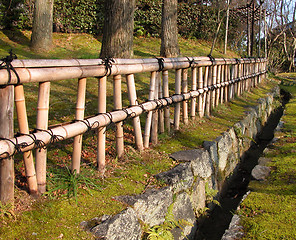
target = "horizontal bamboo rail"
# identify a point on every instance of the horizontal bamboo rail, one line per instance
(212, 81)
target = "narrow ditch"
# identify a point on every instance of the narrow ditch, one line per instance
(214, 226)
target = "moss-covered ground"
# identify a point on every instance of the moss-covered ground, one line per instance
(71, 200)
(269, 212)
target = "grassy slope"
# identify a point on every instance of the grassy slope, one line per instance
(269, 211)
(56, 214)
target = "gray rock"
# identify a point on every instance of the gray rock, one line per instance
(202, 165)
(211, 147)
(224, 144)
(179, 178)
(260, 172)
(235, 231)
(152, 206)
(198, 196)
(183, 210)
(123, 226)
(263, 161)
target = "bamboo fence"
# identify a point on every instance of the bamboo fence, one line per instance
(212, 82)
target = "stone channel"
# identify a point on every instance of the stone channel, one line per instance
(219, 171)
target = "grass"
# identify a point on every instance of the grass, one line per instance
(269, 210)
(71, 200)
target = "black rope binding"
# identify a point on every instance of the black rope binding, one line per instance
(6, 64)
(107, 62)
(160, 63)
(212, 59)
(190, 62)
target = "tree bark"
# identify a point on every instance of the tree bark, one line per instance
(41, 39)
(6, 131)
(169, 31)
(118, 29)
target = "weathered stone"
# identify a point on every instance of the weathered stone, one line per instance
(180, 177)
(183, 210)
(224, 147)
(263, 161)
(202, 165)
(235, 230)
(198, 196)
(260, 173)
(123, 226)
(211, 147)
(151, 207)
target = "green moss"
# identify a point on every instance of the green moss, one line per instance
(269, 210)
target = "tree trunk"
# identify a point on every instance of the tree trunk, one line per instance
(169, 31)
(118, 29)
(41, 39)
(6, 131)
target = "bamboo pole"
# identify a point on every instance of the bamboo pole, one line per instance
(133, 101)
(160, 111)
(178, 77)
(200, 97)
(60, 72)
(208, 81)
(155, 115)
(184, 86)
(226, 89)
(6, 164)
(118, 106)
(149, 115)
(218, 83)
(21, 112)
(42, 124)
(101, 144)
(79, 115)
(193, 88)
(214, 82)
(165, 79)
(222, 90)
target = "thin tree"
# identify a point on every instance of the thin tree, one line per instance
(118, 29)
(169, 31)
(41, 39)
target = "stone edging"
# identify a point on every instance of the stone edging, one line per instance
(185, 195)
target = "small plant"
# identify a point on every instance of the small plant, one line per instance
(67, 184)
(210, 195)
(163, 231)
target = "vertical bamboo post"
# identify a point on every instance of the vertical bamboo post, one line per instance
(6, 131)
(117, 98)
(154, 126)
(149, 115)
(208, 81)
(239, 82)
(205, 85)
(21, 112)
(42, 124)
(226, 79)
(178, 77)
(79, 115)
(214, 82)
(218, 82)
(165, 79)
(193, 88)
(160, 111)
(200, 96)
(222, 90)
(184, 86)
(130, 79)
(101, 144)
(231, 76)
